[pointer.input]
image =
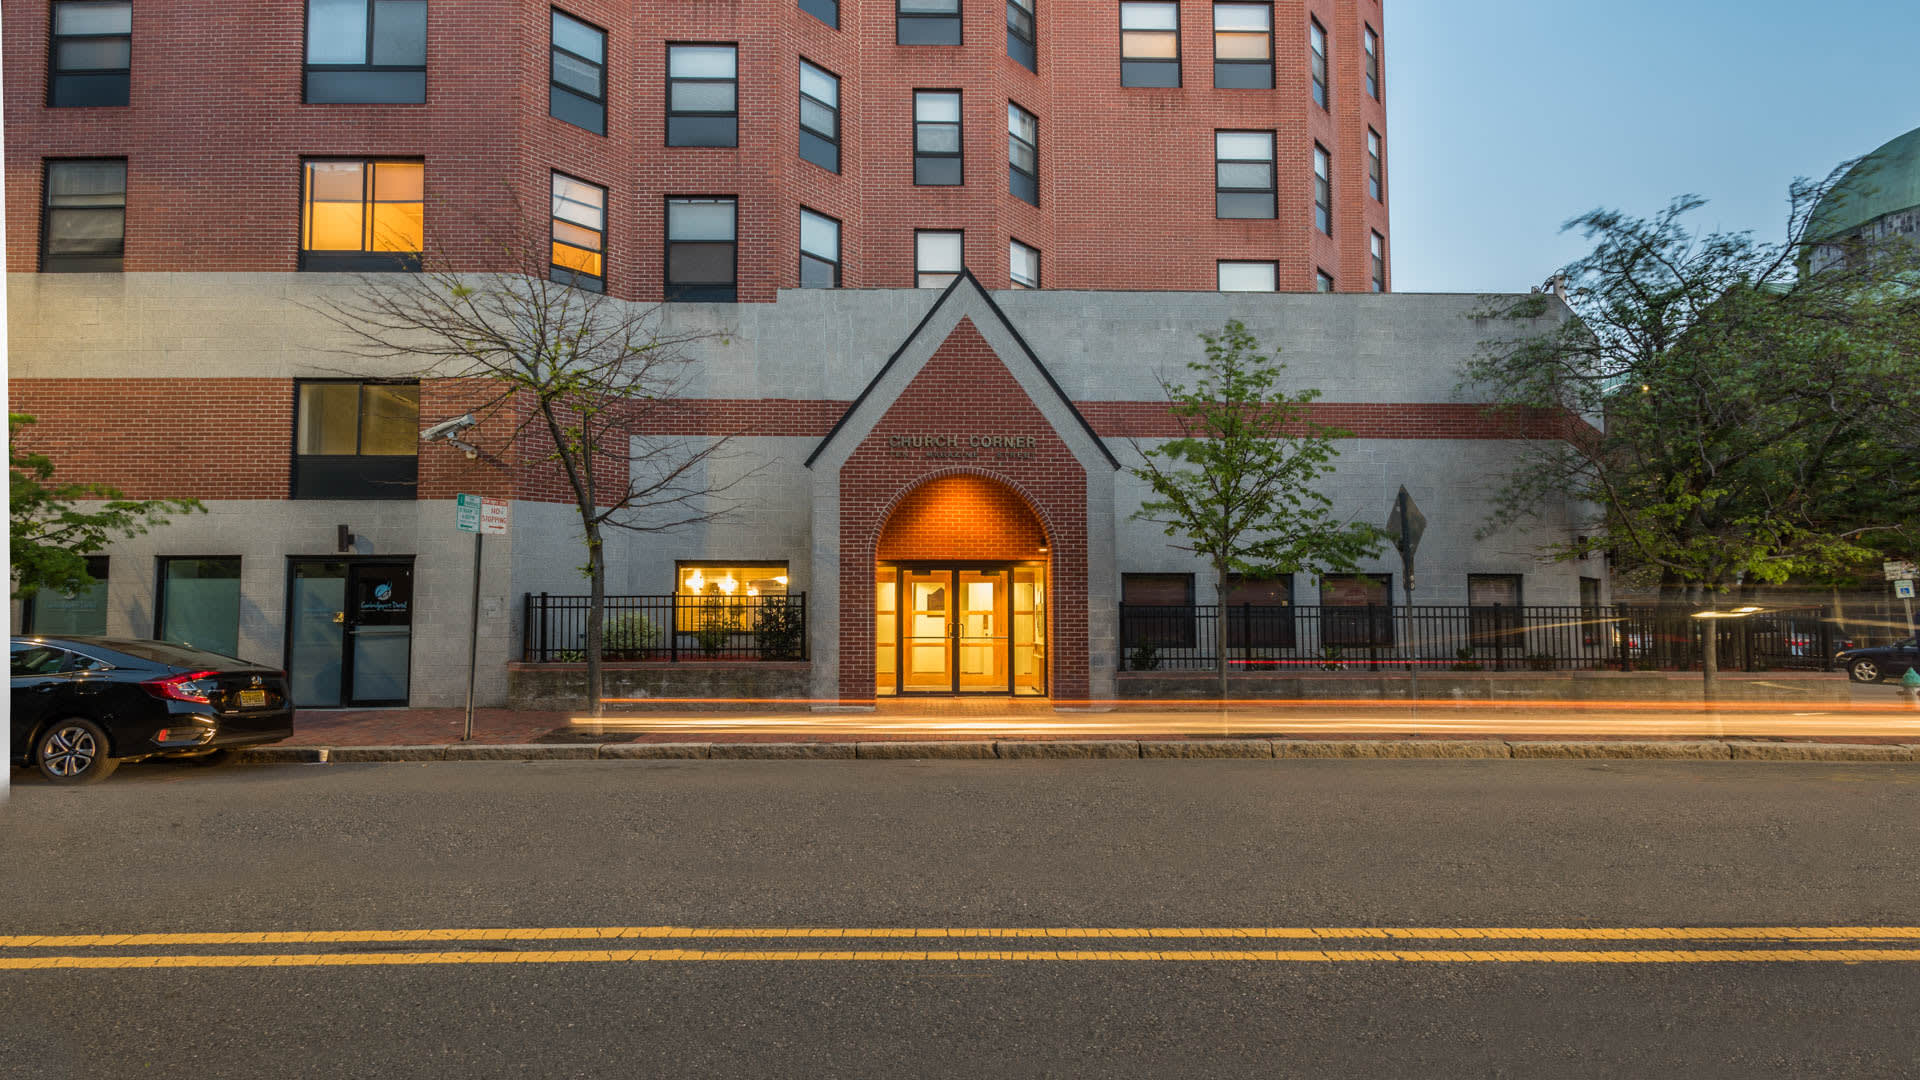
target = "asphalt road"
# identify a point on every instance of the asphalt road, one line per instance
(1103, 844)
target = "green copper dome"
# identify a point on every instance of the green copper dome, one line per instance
(1884, 182)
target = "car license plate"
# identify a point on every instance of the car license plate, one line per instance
(253, 699)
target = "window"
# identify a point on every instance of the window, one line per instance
(1157, 612)
(1373, 64)
(819, 251)
(702, 95)
(700, 249)
(1248, 276)
(356, 440)
(361, 51)
(363, 215)
(1323, 281)
(927, 22)
(579, 234)
(1376, 167)
(83, 611)
(1493, 611)
(1020, 33)
(1317, 44)
(936, 258)
(819, 117)
(1149, 44)
(1322, 189)
(1259, 612)
(1243, 174)
(1356, 610)
(84, 226)
(577, 92)
(1379, 252)
(827, 11)
(1023, 154)
(1243, 46)
(730, 594)
(1023, 265)
(936, 137)
(92, 54)
(199, 603)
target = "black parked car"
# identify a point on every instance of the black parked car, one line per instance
(82, 705)
(1882, 662)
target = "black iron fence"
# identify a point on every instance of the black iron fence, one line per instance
(670, 628)
(1493, 638)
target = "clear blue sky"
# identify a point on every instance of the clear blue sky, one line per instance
(1505, 119)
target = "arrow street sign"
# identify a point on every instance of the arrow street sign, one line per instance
(474, 514)
(1405, 525)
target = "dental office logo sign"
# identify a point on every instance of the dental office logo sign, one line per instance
(477, 515)
(383, 591)
(962, 447)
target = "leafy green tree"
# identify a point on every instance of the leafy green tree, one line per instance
(1239, 487)
(55, 526)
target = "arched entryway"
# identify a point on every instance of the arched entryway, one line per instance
(961, 602)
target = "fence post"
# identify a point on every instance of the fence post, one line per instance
(543, 628)
(1826, 645)
(1373, 648)
(1120, 639)
(1499, 640)
(1246, 637)
(673, 631)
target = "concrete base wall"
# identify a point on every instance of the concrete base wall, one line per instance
(1592, 686)
(564, 686)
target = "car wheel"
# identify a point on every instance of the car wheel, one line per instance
(1864, 671)
(73, 751)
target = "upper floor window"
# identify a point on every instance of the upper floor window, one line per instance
(83, 228)
(1373, 64)
(363, 215)
(356, 440)
(819, 117)
(1379, 254)
(92, 54)
(1020, 33)
(1376, 167)
(819, 251)
(1247, 276)
(703, 95)
(1023, 265)
(936, 137)
(1322, 281)
(1023, 154)
(827, 11)
(927, 22)
(1149, 43)
(1243, 174)
(1317, 45)
(701, 252)
(937, 258)
(1322, 189)
(579, 234)
(367, 51)
(578, 77)
(1243, 46)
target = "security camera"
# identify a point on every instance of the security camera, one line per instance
(447, 429)
(466, 448)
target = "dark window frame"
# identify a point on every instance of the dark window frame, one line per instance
(160, 591)
(120, 86)
(1320, 64)
(555, 86)
(1322, 190)
(1011, 281)
(1323, 281)
(79, 264)
(1376, 85)
(102, 563)
(1021, 183)
(961, 233)
(1376, 165)
(1258, 626)
(355, 476)
(1271, 191)
(1270, 264)
(930, 23)
(363, 261)
(839, 244)
(1022, 45)
(1346, 625)
(958, 155)
(1241, 74)
(1498, 625)
(1151, 65)
(1377, 254)
(562, 275)
(733, 133)
(827, 11)
(805, 131)
(1176, 629)
(679, 294)
(368, 67)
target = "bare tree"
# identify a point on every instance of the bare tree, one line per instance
(568, 380)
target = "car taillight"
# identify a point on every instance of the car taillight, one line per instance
(183, 687)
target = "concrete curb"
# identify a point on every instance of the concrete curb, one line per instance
(1687, 751)
(1802, 751)
(1065, 748)
(521, 752)
(923, 751)
(281, 755)
(387, 753)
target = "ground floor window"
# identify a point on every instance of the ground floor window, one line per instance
(1356, 610)
(84, 611)
(1259, 612)
(721, 599)
(1494, 603)
(1158, 612)
(199, 603)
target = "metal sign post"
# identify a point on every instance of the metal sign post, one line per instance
(1405, 525)
(479, 516)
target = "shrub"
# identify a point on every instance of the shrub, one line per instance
(1541, 661)
(1330, 658)
(1144, 658)
(628, 636)
(780, 629)
(1465, 661)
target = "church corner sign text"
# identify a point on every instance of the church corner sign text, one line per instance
(962, 447)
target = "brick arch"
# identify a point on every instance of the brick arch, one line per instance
(998, 520)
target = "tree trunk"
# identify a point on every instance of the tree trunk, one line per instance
(596, 618)
(1220, 661)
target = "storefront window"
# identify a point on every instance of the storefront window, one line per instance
(200, 603)
(65, 614)
(730, 595)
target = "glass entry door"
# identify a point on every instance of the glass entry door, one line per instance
(349, 632)
(928, 643)
(960, 630)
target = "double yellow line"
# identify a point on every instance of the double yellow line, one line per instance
(1548, 945)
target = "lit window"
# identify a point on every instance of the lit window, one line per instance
(927, 22)
(1023, 154)
(1379, 253)
(356, 440)
(726, 597)
(1243, 46)
(84, 225)
(1248, 276)
(702, 95)
(1376, 167)
(819, 117)
(579, 234)
(827, 11)
(936, 258)
(1323, 281)
(1373, 64)
(1149, 44)
(362, 51)
(1322, 189)
(1317, 44)
(92, 54)
(1020, 33)
(578, 77)
(819, 251)
(363, 215)
(700, 250)
(1023, 265)
(1243, 174)
(936, 137)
